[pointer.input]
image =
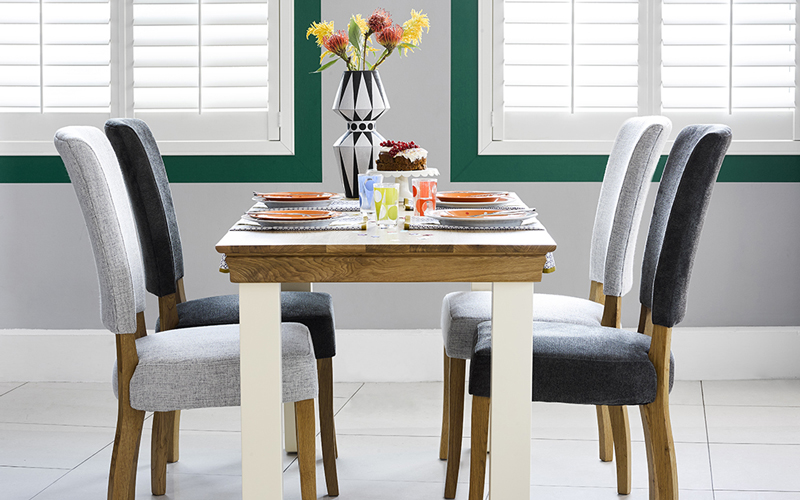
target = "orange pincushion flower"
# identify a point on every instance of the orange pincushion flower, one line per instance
(379, 21)
(336, 43)
(390, 37)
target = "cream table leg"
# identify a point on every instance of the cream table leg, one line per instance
(260, 349)
(512, 368)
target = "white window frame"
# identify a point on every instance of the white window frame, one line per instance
(30, 134)
(490, 102)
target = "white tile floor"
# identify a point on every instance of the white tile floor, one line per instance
(735, 441)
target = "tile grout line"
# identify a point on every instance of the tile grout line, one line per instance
(14, 388)
(72, 470)
(708, 440)
(350, 398)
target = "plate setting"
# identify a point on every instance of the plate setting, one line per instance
(314, 218)
(481, 217)
(472, 196)
(290, 199)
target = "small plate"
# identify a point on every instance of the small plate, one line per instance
(292, 215)
(471, 196)
(295, 196)
(301, 222)
(503, 200)
(480, 217)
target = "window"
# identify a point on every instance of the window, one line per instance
(209, 76)
(560, 76)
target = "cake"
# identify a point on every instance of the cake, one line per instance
(401, 156)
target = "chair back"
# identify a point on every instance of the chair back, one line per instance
(146, 177)
(681, 204)
(96, 177)
(630, 169)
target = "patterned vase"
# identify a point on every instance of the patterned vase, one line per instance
(360, 100)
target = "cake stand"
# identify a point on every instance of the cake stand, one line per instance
(402, 178)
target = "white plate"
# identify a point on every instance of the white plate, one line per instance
(496, 221)
(297, 204)
(289, 223)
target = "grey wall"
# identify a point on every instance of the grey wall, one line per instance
(747, 272)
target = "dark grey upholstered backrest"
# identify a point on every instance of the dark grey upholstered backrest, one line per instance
(689, 181)
(151, 199)
(98, 184)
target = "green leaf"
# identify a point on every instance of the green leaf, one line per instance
(354, 33)
(325, 66)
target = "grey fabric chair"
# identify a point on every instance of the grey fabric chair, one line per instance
(194, 367)
(582, 364)
(148, 187)
(626, 182)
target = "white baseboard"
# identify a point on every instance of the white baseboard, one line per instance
(718, 353)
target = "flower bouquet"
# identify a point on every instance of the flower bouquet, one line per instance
(355, 46)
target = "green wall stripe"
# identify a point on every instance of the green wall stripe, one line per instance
(467, 166)
(304, 166)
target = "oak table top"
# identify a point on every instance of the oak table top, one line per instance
(402, 256)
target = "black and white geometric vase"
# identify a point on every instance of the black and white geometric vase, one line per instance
(360, 100)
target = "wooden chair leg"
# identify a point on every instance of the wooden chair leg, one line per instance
(604, 434)
(306, 448)
(648, 445)
(659, 432)
(159, 450)
(125, 457)
(456, 426)
(174, 438)
(479, 444)
(445, 410)
(327, 429)
(621, 431)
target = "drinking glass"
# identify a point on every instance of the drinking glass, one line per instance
(424, 191)
(386, 195)
(366, 183)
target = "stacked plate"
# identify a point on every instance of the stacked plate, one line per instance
(481, 217)
(307, 218)
(473, 199)
(307, 199)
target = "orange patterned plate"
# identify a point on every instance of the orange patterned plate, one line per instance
(295, 196)
(293, 215)
(472, 196)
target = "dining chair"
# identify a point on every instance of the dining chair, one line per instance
(599, 365)
(180, 369)
(151, 198)
(626, 182)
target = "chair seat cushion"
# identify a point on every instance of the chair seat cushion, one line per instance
(313, 309)
(199, 368)
(463, 311)
(578, 364)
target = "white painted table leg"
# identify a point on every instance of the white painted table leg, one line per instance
(260, 348)
(512, 368)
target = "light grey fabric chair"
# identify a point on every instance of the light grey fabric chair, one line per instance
(173, 370)
(582, 364)
(626, 182)
(151, 199)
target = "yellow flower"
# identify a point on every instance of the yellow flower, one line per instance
(320, 30)
(361, 22)
(412, 29)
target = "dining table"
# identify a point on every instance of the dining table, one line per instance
(511, 260)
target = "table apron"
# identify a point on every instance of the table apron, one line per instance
(385, 268)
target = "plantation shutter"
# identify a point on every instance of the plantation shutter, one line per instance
(570, 68)
(55, 56)
(733, 61)
(205, 62)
